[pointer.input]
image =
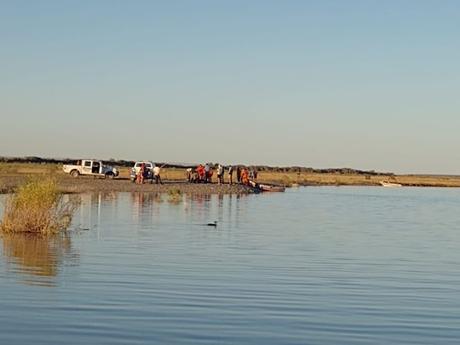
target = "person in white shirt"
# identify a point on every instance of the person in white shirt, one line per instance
(220, 174)
(189, 175)
(156, 174)
(230, 174)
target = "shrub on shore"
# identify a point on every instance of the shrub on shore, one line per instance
(38, 207)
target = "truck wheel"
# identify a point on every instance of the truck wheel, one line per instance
(109, 175)
(74, 173)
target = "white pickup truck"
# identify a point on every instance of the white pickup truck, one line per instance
(148, 174)
(90, 167)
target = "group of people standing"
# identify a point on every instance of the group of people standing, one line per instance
(203, 174)
(146, 173)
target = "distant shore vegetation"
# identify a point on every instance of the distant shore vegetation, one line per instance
(129, 163)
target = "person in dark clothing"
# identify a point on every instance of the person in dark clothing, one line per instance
(207, 172)
(238, 174)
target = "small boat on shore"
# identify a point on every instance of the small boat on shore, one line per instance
(266, 187)
(390, 184)
(271, 188)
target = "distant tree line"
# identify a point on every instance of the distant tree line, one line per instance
(129, 163)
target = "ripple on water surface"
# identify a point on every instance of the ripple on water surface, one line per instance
(309, 266)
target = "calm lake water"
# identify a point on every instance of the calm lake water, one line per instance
(327, 265)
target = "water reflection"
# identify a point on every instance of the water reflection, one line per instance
(38, 259)
(90, 213)
(147, 208)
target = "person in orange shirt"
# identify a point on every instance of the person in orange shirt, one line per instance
(245, 176)
(140, 174)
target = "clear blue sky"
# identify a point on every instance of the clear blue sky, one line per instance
(361, 84)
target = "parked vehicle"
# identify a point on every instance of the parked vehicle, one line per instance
(148, 175)
(90, 167)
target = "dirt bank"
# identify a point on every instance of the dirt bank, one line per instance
(89, 184)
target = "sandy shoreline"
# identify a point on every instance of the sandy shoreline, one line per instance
(89, 184)
(67, 184)
(13, 175)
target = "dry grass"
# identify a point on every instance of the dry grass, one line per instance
(38, 207)
(307, 179)
(13, 169)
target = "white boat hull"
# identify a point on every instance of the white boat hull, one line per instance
(390, 184)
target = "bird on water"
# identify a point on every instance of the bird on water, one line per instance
(212, 224)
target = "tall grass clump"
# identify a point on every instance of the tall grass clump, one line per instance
(175, 195)
(38, 207)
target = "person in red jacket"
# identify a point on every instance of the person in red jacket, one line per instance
(201, 173)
